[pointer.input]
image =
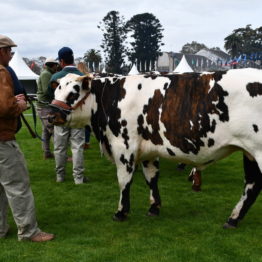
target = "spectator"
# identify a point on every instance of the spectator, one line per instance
(83, 68)
(63, 135)
(14, 180)
(44, 99)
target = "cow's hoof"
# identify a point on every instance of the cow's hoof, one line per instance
(196, 188)
(153, 211)
(231, 223)
(227, 225)
(120, 217)
(150, 214)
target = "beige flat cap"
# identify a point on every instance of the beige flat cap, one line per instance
(6, 42)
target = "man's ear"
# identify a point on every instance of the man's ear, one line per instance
(54, 84)
(86, 79)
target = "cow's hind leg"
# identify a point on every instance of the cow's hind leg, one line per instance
(151, 172)
(125, 169)
(195, 177)
(253, 185)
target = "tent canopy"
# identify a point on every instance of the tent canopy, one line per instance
(21, 69)
(183, 67)
(133, 70)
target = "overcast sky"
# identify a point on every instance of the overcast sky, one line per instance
(41, 27)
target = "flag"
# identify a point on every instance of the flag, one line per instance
(239, 59)
(32, 65)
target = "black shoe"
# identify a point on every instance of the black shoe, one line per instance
(48, 155)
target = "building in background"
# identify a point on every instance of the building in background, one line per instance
(202, 61)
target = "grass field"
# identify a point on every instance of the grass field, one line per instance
(189, 227)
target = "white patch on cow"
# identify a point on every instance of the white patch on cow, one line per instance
(238, 207)
(211, 84)
(199, 123)
(191, 142)
(191, 125)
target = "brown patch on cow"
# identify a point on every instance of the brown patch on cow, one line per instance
(188, 102)
(151, 110)
(254, 89)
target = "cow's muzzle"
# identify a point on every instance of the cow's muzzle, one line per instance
(58, 112)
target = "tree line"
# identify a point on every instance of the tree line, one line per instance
(140, 39)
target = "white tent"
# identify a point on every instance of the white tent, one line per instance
(21, 69)
(183, 66)
(104, 70)
(133, 70)
(26, 76)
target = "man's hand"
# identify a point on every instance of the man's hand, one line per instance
(22, 104)
(20, 97)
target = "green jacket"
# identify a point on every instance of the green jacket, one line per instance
(43, 96)
(60, 74)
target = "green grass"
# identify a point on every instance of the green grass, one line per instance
(189, 227)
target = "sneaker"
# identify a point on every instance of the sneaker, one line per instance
(84, 181)
(48, 155)
(60, 179)
(42, 237)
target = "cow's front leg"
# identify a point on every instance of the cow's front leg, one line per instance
(253, 185)
(125, 169)
(151, 172)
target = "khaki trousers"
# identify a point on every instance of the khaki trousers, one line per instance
(76, 137)
(15, 190)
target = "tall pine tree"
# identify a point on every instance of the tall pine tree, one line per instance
(146, 31)
(114, 36)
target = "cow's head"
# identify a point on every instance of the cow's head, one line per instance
(71, 95)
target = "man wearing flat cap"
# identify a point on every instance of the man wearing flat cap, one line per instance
(14, 180)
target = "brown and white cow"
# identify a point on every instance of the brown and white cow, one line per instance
(191, 118)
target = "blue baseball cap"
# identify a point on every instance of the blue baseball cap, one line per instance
(65, 53)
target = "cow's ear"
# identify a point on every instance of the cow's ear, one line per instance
(54, 84)
(86, 80)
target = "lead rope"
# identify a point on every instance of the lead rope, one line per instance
(33, 133)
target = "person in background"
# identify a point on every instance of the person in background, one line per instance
(15, 187)
(43, 99)
(83, 68)
(65, 135)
